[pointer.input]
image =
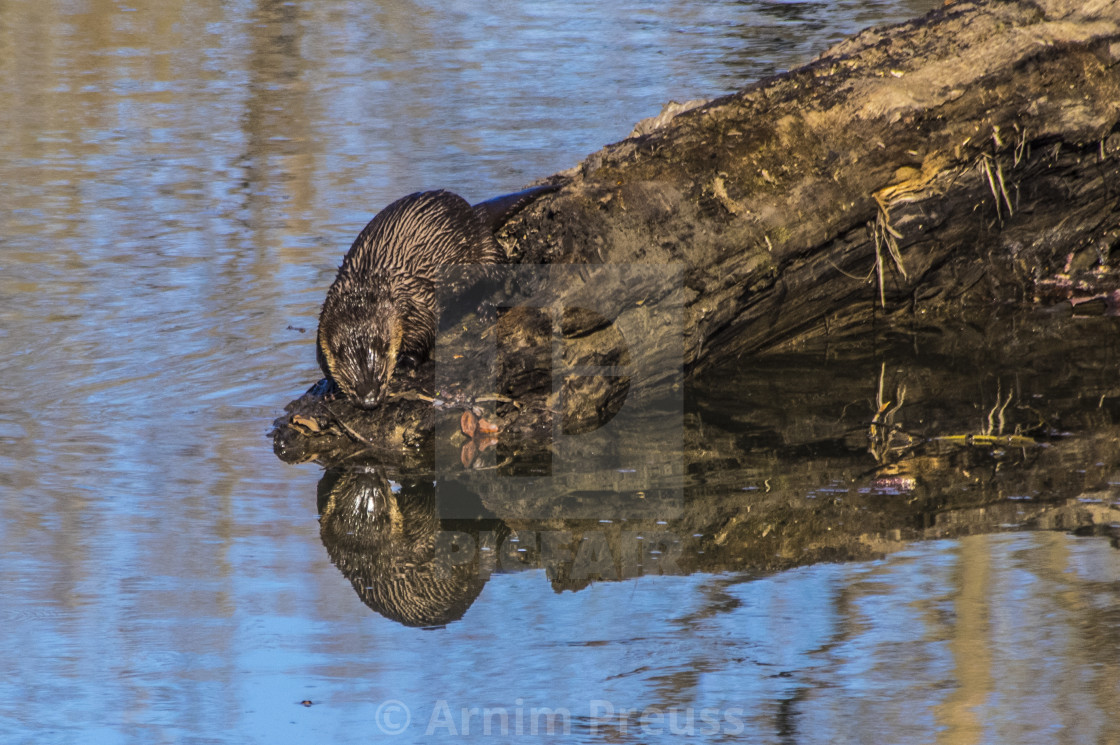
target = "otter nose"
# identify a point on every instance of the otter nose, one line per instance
(369, 395)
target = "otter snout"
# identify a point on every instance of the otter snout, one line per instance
(369, 395)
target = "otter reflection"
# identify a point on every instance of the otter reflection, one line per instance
(390, 543)
(778, 472)
(411, 566)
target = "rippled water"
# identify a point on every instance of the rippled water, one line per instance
(179, 183)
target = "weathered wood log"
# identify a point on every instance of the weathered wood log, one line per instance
(966, 158)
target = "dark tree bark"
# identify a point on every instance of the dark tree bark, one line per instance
(979, 144)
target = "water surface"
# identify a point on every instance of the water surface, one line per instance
(180, 182)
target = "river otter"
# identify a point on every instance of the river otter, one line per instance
(383, 307)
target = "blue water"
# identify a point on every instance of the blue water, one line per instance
(180, 182)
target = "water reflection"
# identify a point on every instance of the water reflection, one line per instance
(845, 453)
(388, 541)
(179, 184)
(884, 651)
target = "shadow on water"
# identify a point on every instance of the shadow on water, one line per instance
(848, 451)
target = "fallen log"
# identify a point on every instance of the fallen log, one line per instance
(910, 174)
(969, 156)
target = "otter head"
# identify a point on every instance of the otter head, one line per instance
(360, 333)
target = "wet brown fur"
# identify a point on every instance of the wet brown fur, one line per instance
(384, 305)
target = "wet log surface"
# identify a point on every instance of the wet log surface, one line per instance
(868, 301)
